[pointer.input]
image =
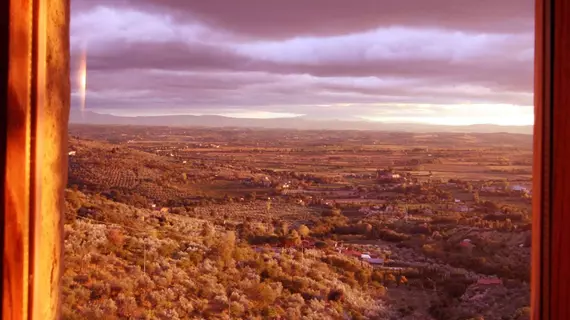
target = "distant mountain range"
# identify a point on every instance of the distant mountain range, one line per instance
(299, 123)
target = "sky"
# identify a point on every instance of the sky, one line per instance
(448, 62)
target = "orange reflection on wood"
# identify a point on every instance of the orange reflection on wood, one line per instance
(36, 158)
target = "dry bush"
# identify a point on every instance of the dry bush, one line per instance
(116, 237)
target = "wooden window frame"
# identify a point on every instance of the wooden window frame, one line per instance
(35, 95)
(550, 280)
(35, 101)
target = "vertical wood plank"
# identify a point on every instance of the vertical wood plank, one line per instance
(560, 181)
(551, 174)
(4, 55)
(38, 97)
(16, 183)
(50, 167)
(541, 148)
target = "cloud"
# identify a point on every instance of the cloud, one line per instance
(457, 114)
(346, 61)
(393, 43)
(281, 19)
(166, 56)
(405, 52)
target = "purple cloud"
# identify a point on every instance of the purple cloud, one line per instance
(287, 19)
(304, 57)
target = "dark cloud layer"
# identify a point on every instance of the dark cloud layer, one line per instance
(284, 19)
(305, 57)
(168, 56)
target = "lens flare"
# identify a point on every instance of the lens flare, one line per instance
(83, 80)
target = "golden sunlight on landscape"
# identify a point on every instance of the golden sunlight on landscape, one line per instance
(295, 159)
(462, 114)
(226, 223)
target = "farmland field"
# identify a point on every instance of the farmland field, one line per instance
(286, 212)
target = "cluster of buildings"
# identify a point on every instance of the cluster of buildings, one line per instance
(497, 188)
(388, 176)
(382, 210)
(373, 260)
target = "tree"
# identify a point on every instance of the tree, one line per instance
(389, 278)
(403, 280)
(207, 230)
(226, 246)
(335, 295)
(491, 205)
(454, 289)
(283, 228)
(334, 212)
(476, 197)
(293, 238)
(304, 231)
(364, 228)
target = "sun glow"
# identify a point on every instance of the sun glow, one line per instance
(458, 115)
(83, 80)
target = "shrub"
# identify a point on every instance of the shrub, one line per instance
(321, 245)
(116, 237)
(393, 236)
(335, 295)
(303, 231)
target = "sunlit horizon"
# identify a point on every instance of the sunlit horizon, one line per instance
(444, 115)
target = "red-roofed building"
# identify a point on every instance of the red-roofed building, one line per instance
(352, 253)
(467, 246)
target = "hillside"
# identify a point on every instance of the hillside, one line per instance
(103, 167)
(300, 123)
(123, 262)
(296, 224)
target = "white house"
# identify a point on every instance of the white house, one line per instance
(72, 153)
(462, 208)
(489, 188)
(364, 210)
(386, 175)
(519, 188)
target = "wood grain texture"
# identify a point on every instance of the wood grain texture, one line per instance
(50, 170)
(36, 158)
(4, 55)
(551, 174)
(541, 148)
(560, 181)
(16, 183)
